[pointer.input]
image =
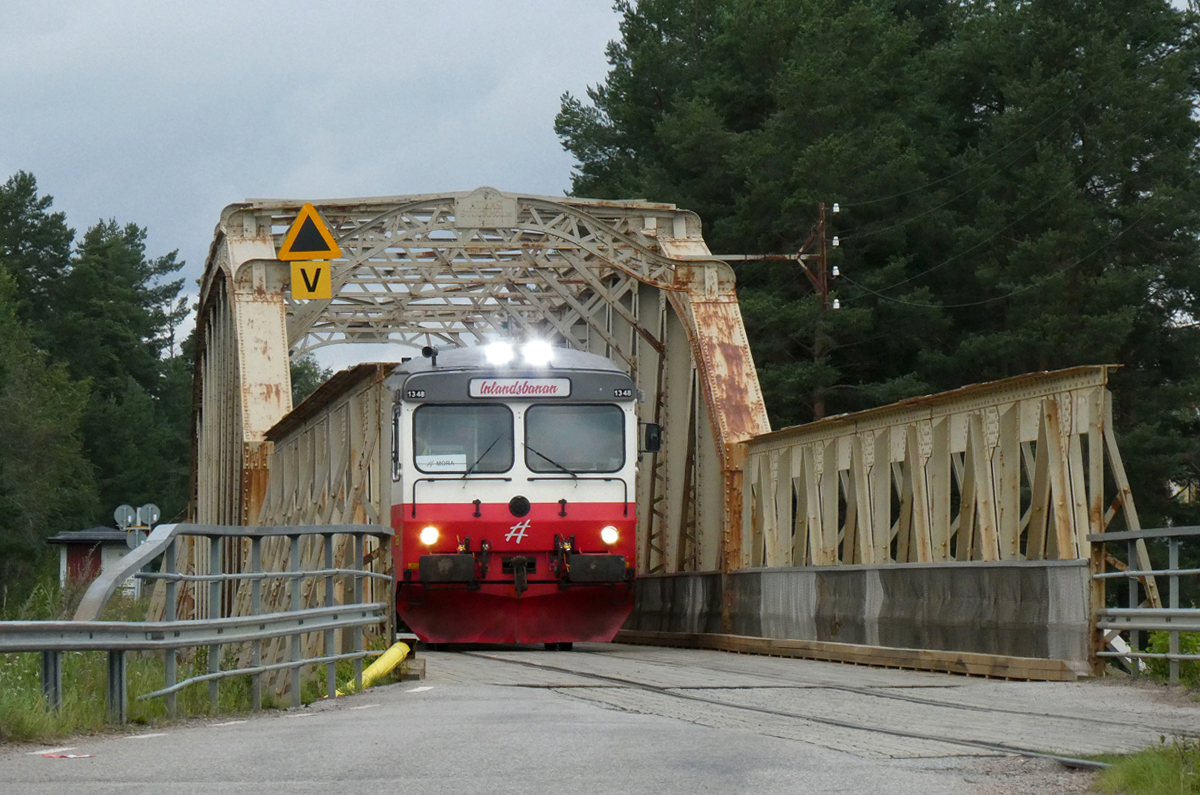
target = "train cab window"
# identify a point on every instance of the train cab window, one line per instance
(574, 438)
(465, 439)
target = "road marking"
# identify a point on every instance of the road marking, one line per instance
(366, 706)
(302, 715)
(230, 723)
(420, 689)
(146, 736)
(52, 750)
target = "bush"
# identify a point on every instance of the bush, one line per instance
(1189, 670)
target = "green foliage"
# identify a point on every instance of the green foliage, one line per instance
(46, 485)
(314, 687)
(35, 246)
(115, 329)
(1017, 181)
(1169, 769)
(1189, 670)
(307, 375)
(24, 715)
(95, 399)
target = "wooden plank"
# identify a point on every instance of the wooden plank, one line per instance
(922, 539)
(967, 507)
(881, 497)
(1095, 482)
(1131, 517)
(862, 499)
(939, 491)
(816, 543)
(986, 538)
(1061, 544)
(803, 500)
(765, 513)
(1079, 499)
(850, 528)
(829, 505)
(904, 521)
(1008, 496)
(783, 509)
(1035, 547)
(956, 662)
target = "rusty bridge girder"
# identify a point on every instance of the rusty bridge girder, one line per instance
(631, 280)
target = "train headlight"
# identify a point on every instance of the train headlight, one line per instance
(429, 535)
(539, 353)
(609, 535)
(499, 353)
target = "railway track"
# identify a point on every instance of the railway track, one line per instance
(703, 695)
(875, 692)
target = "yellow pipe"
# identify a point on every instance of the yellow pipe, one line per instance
(380, 668)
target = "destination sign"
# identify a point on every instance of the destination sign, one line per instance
(520, 387)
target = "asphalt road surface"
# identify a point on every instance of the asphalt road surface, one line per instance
(615, 718)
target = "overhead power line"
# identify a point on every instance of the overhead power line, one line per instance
(1018, 291)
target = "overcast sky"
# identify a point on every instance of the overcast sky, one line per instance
(161, 113)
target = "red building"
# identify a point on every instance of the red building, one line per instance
(85, 553)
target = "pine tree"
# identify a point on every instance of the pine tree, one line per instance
(35, 246)
(119, 311)
(46, 483)
(1018, 185)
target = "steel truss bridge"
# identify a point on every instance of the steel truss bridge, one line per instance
(633, 281)
(1010, 471)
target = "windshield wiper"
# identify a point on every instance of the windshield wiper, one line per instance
(552, 461)
(481, 457)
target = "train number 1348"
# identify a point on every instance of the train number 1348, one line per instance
(623, 393)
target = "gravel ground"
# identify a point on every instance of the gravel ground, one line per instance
(1017, 775)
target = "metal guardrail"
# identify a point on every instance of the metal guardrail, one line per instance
(1136, 619)
(86, 632)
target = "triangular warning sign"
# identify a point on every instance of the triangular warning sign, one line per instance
(308, 238)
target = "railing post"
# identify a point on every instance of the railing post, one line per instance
(1173, 604)
(256, 609)
(1134, 639)
(169, 615)
(118, 702)
(52, 679)
(358, 600)
(214, 611)
(330, 667)
(294, 586)
(1097, 563)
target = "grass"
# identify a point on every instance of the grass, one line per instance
(25, 716)
(1167, 769)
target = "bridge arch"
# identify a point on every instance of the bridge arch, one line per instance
(632, 280)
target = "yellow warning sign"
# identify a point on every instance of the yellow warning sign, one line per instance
(311, 281)
(308, 238)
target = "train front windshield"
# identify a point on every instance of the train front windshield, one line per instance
(471, 438)
(574, 438)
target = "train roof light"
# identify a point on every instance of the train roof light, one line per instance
(499, 353)
(539, 353)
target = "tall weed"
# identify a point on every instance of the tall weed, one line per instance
(1167, 769)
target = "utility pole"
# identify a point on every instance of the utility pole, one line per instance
(815, 250)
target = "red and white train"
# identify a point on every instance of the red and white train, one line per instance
(515, 517)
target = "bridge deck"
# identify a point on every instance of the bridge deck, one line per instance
(610, 718)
